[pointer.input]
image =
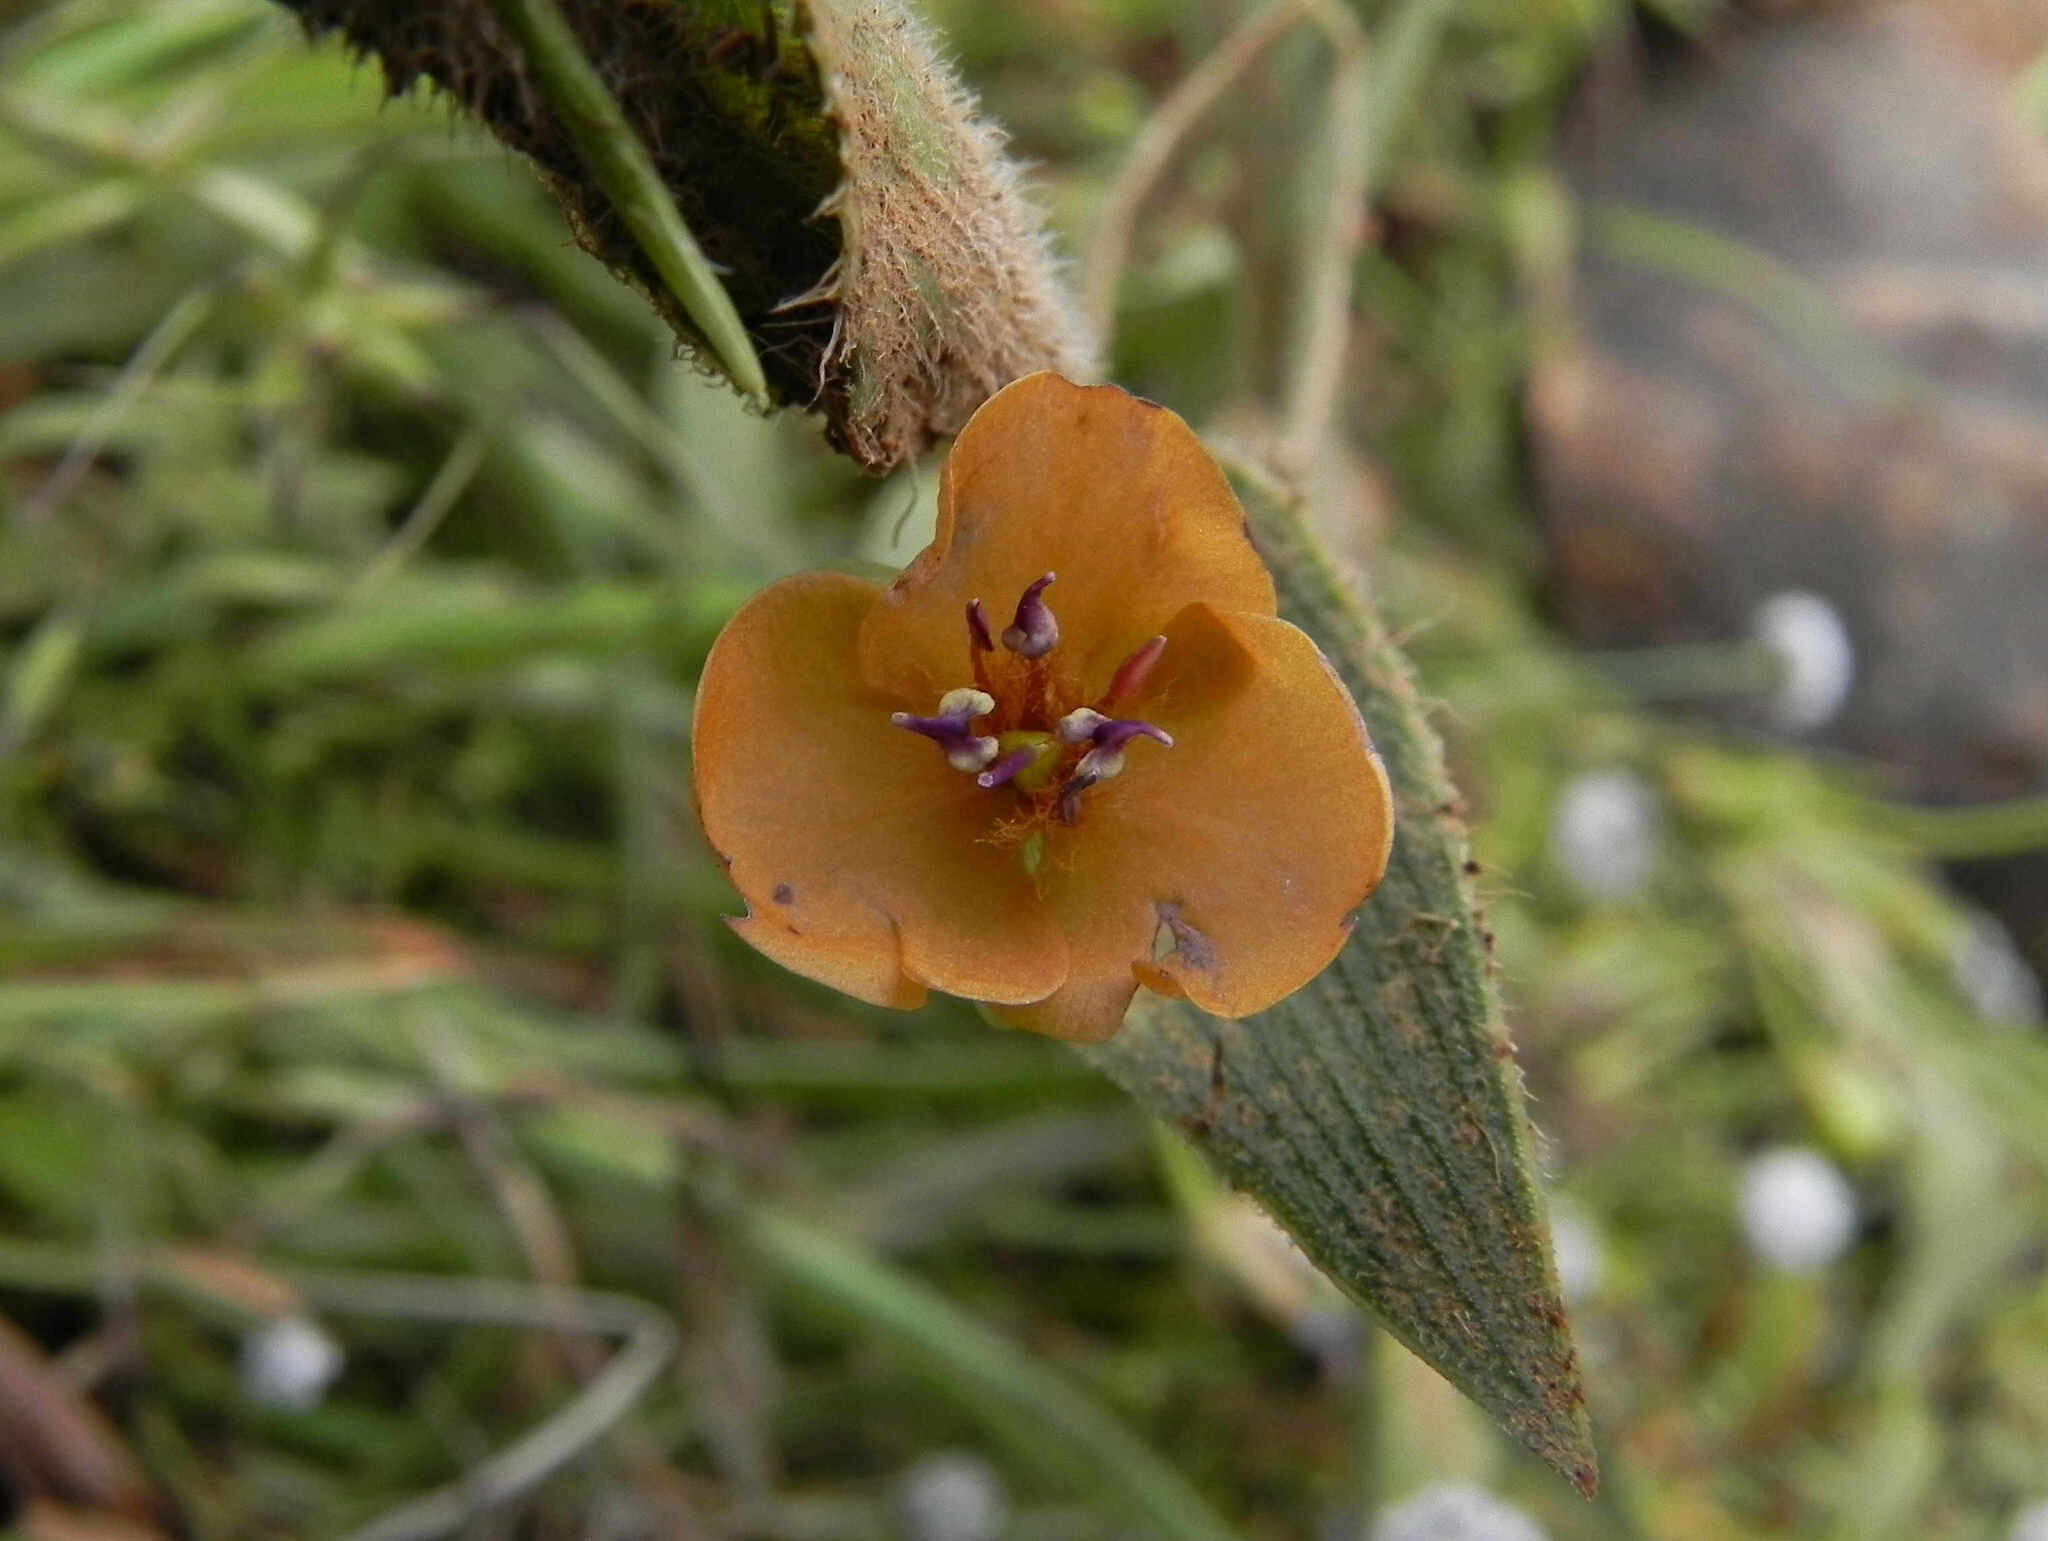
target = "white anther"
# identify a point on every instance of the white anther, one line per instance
(965, 703)
(1079, 725)
(1100, 764)
(975, 754)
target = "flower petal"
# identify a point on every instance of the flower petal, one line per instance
(1227, 868)
(1112, 493)
(863, 857)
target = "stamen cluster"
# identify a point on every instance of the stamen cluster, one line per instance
(1014, 726)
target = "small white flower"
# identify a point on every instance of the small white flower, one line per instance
(1798, 1210)
(951, 1496)
(1603, 833)
(1992, 975)
(288, 1363)
(1581, 1253)
(1815, 652)
(2031, 1523)
(1455, 1512)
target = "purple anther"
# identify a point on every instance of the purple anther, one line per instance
(977, 628)
(1119, 731)
(1132, 672)
(1108, 735)
(965, 749)
(1034, 632)
(1009, 766)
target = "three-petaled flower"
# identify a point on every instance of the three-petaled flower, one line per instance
(1069, 751)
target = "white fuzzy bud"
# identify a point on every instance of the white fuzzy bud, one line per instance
(1455, 1511)
(1333, 1336)
(952, 1496)
(1603, 833)
(1814, 651)
(1580, 1250)
(288, 1363)
(2031, 1523)
(1993, 977)
(1797, 1209)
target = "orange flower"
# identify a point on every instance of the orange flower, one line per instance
(1129, 773)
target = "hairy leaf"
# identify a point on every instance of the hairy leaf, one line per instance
(1377, 1112)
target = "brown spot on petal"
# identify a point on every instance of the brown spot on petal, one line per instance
(1195, 949)
(784, 894)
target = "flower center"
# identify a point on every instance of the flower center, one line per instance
(1022, 729)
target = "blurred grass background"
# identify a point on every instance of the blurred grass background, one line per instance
(359, 542)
